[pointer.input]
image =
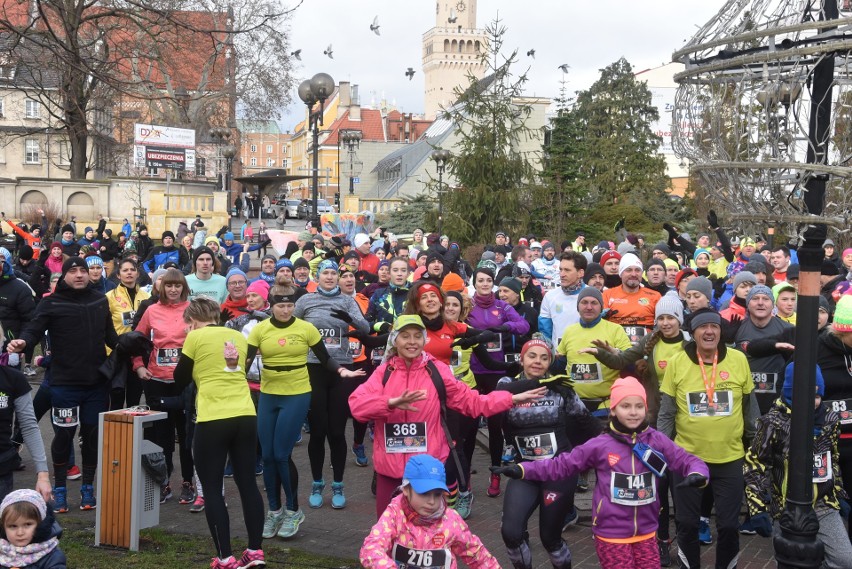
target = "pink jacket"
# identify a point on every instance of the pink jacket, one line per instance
(164, 324)
(400, 524)
(370, 402)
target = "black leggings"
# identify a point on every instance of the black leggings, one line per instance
(60, 448)
(162, 432)
(553, 499)
(845, 448)
(458, 425)
(485, 384)
(327, 419)
(212, 443)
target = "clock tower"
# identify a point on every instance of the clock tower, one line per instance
(451, 51)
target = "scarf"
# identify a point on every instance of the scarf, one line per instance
(329, 293)
(433, 324)
(483, 301)
(267, 278)
(64, 242)
(574, 289)
(27, 555)
(591, 324)
(616, 426)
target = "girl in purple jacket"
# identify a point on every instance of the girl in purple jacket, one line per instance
(627, 458)
(490, 313)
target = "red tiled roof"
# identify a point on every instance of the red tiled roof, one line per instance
(370, 126)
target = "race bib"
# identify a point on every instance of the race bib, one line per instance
(168, 357)
(405, 558)
(634, 333)
(699, 406)
(842, 407)
(378, 356)
(330, 337)
(127, 317)
(404, 438)
(455, 359)
(354, 346)
(586, 373)
(66, 416)
(765, 382)
(537, 447)
(495, 345)
(822, 467)
(633, 489)
(512, 358)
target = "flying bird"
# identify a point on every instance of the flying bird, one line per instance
(410, 73)
(452, 19)
(374, 27)
(564, 67)
(297, 54)
(328, 52)
(531, 53)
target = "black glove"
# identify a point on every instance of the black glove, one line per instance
(693, 481)
(383, 328)
(608, 313)
(225, 315)
(619, 225)
(718, 288)
(712, 220)
(671, 230)
(513, 471)
(514, 369)
(762, 524)
(498, 329)
(465, 343)
(342, 315)
(355, 334)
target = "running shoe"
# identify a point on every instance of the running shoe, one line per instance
(187, 493)
(29, 371)
(87, 497)
(252, 558)
(570, 518)
(74, 473)
(165, 492)
(229, 470)
(338, 500)
(258, 466)
(704, 536)
(229, 563)
(508, 454)
(746, 528)
(494, 487)
(197, 506)
(306, 427)
(464, 504)
(315, 499)
(292, 521)
(299, 440)
(273, 522)
(582, 484)
(665, 552)
(360, 455)
(371, 427)
(60, 500)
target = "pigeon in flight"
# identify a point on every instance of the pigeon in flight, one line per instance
(328, 52)
(410, 73)
(374, 27)
(297, 54)
(564, 67)
(531, 53)
(452, 19)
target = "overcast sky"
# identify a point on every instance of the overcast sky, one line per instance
(587, 35)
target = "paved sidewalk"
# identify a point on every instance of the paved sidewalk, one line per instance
(340, 532)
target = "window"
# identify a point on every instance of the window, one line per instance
(254, 161)
(152, 172)
(269, 149)
(31, 110)
(270, 162)
(200, 166)
(284, 163)
(284, 150)
(32, 155)
(2, 108)
(254, 147)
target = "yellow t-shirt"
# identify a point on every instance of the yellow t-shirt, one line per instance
(222, 394)
(663, 354)
(280, 347)
(590, 378)
(714, 438)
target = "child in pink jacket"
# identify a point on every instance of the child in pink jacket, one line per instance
(418, 529)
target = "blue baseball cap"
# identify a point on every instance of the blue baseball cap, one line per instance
(425, 473)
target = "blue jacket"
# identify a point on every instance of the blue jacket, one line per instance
(160, 255)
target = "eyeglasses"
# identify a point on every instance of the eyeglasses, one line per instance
(237, 283)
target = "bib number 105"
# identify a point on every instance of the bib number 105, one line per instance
(404, 429)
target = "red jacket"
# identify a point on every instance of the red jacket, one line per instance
(370, 401)
(164, 324)
(369, 262)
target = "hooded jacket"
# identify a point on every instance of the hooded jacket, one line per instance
(80, 327)
(370, 402)
(498, 313)
(386, 304)
(608, 453)
(17, 304)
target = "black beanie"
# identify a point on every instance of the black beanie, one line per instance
(25, 253)
(200, 251)
(168, 233)
(654, 261)
(67, 227)
(74, 261)
(591, 270)
(433, 256)
(483, 270)
(301, 262)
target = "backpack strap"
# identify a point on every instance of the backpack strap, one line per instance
(438, 381)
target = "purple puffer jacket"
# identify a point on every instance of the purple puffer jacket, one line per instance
(607, 455)
(497, 314)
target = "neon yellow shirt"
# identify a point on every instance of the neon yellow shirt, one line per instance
(287, 346)
(591, 379)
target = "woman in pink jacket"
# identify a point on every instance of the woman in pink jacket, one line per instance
(163, 323)
(419, 530)
(402, 398)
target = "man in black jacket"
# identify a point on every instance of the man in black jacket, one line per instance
(78, 321)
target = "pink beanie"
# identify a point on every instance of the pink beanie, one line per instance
(846, 252)
(626, 387)
(260, 287)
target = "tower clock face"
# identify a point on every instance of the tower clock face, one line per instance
(461, 6)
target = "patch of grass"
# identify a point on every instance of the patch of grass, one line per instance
(159, 549)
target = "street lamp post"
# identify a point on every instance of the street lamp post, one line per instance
(352, 140)
(441, 157)
(315, 90)
(229, 152)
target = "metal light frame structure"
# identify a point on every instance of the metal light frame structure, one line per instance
(441, 157)
(351, 139)
(226, 152)
(315, 90)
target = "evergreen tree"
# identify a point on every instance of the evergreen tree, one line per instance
(416, 211)
(493, 178)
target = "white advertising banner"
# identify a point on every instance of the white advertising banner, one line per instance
(163, 136)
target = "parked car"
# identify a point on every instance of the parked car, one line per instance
(306, 208)
(290, 208)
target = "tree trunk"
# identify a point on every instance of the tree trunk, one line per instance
(77, 126)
